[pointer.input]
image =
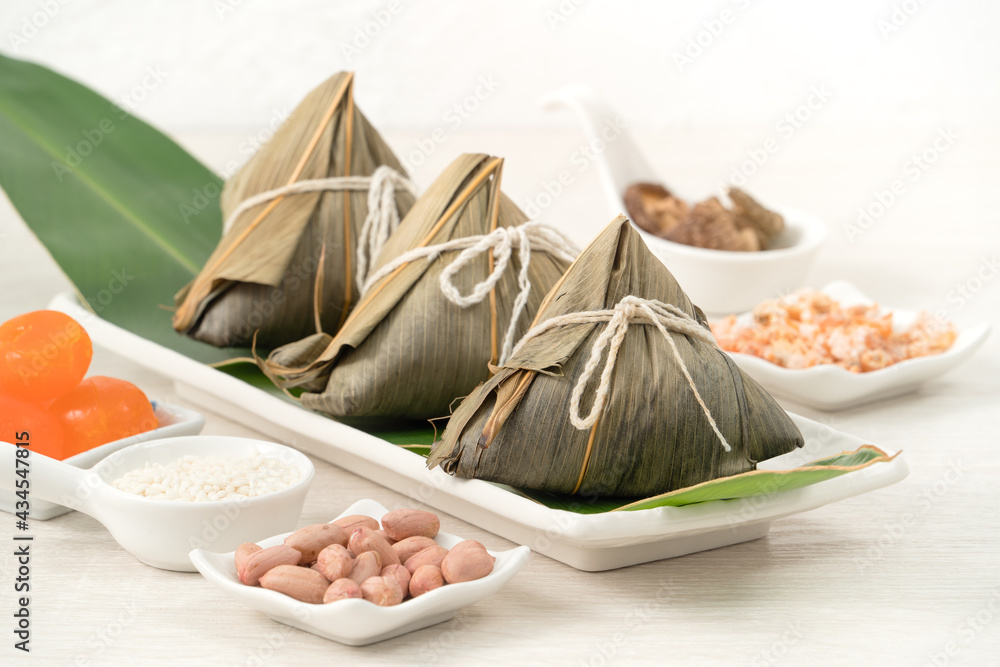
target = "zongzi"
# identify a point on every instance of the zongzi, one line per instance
(302, 214)
(453, 288)
(667, 407)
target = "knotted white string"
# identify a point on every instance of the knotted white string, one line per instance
(382, 218)
(630, 310)
(527, 238)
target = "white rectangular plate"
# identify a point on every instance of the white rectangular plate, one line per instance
(590, 542)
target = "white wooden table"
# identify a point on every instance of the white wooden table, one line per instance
(909, 575)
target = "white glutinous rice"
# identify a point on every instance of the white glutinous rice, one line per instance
(205, 478)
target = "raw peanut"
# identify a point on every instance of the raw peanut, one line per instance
(383, 591)
(349, 523)
(388, 539)
(302, 583)
(335, 562)
(342, 589)
(314, 566)
(400, 574)
(368, 564)
(426, 578)
(400, 524)
(313, 539)
(467, 560)
(411, 545)
(259, 563)
(469, 544)
(365, 539)
(429, 556)
(243, 552)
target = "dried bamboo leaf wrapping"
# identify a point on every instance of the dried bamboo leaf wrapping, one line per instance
(651, 437)
(406, 351)
(262, 277)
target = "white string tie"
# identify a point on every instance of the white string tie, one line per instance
(502, 241)
(382, 218)
(630, 310)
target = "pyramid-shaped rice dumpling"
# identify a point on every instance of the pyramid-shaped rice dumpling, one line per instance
(286, 266)
(654, 430)
(408, 350)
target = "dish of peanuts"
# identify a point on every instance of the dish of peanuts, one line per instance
(368, 575)
(355, 557)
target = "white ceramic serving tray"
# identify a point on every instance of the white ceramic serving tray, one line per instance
(358, 622)
(590, 542)
(174, 421)
(830, 387)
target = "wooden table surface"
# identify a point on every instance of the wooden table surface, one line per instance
(908, 575)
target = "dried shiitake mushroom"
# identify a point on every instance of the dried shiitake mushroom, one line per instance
(747, 226)
(749, 214)
(711, 225)
(653, 208)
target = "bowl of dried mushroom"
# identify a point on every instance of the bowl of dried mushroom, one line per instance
(728, 252)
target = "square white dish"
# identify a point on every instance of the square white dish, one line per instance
(174, 421)
(830, 387)
(359, 622)
(591, 542)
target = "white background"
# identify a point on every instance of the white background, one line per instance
(702, 86)
(230, 64)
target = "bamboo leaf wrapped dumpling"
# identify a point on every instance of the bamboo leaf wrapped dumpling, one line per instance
(300, 215)
(618, 389)
(453, 288)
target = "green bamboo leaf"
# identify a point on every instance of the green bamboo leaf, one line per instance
(127, 214)
(761, 482)
(753, 483)
(576, 504)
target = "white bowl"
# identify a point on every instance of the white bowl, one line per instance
(718, 281)
(724, 281)
(161, 533)
(830, 387)
(359, 622)
(174, 421)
